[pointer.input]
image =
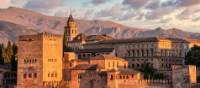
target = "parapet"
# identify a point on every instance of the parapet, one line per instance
(38, 36)
(46, 34)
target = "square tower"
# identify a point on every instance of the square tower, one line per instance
(39, 60)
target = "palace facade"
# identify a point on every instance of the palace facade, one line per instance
(161, 53)
(100, 61)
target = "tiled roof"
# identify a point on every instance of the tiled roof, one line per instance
(94, 50)
(99, 37)
(106, 57)
(135, 40)
(80, 37)
(128, 71)
(84, 37)
(70, 19)
(86, 67)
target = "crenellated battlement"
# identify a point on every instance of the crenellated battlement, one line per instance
(39, 36)
(49, 35)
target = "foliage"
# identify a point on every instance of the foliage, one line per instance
(150, 72)
(8, 53)
(1, 54)
(193, 56)
(198, 79)
(68, 49)
(13, 59)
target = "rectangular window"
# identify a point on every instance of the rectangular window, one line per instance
(48, 74)
(35, 75)
(55, 74)
(30, 75)
(52, 75)
(24, 75)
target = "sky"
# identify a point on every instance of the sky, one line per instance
(148, 14)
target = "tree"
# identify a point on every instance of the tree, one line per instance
(147, 70)
(193, 56)
(150, 72)
(13, 59)
(68, 49)
(1, 54)
(8, 53)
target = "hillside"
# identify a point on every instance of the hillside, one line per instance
(18, 21)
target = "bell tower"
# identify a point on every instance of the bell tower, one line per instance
(71, 30)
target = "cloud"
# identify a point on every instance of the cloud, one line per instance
(180, 3)
(98, 2)
(135, 3)
(43, 4)
(188, 2)
(19, 3)
(153, 5)
(77, 13)
(113, 12)
(191, 13)
(158, 13)
(5, 3)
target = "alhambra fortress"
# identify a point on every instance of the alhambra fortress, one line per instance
(76, 60)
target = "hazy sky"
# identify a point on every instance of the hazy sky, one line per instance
(183, 14)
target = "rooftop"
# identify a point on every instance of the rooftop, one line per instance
(86, 67)
(106, 57)
(94, 50)
(135, 40)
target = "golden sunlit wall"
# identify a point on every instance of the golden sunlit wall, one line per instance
(165, 44)
(52, 58)
(192, 74)
(193, 43)
(110, 64)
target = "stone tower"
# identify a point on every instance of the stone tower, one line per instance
(39, 61)
(71, 30)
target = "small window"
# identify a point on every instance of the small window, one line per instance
(133, 65)
(55, 74)
(111, 78)
(35, 75)
(30, 75)
(24, 60)
(48, 74)
(24, 75)
(52, 75)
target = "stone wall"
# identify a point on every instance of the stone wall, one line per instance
(39, 59)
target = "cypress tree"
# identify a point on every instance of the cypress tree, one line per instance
(193, 56)
(1, 54)
(8, 53)
(13, 59)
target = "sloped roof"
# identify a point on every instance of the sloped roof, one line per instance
(80, 37)
(94, 50)
(99, 37)
(70, 19)
(106, 57)
(84, 37)
(135, 40)
(86, 67)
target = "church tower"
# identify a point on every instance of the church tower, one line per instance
(71, 30)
